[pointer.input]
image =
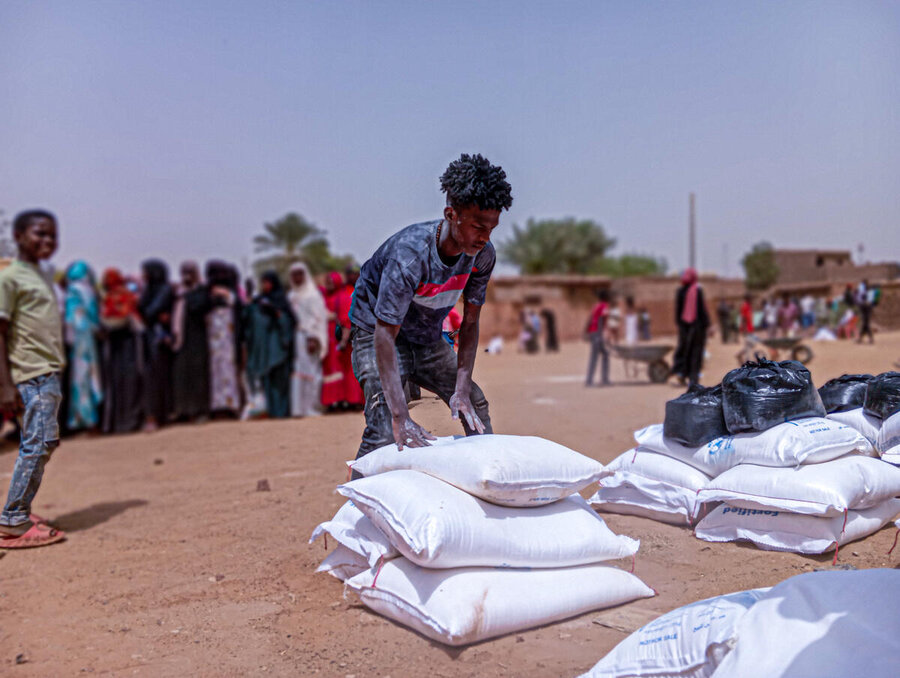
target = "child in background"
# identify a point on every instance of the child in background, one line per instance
(450, 328)
(631, 322)
(614, 321)
(31, 358)
(631, 335)
(644, 323)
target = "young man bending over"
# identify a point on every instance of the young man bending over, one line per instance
(402, 296)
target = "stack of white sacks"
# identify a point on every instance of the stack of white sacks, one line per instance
(476, 537)
(883, 434)
(871, 411)
(814, 624)
(807, 486)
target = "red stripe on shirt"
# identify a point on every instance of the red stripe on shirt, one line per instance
(601, 310)
(457, 282)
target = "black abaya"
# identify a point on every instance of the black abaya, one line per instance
(123, 410)
(688, 361)
(190, 370)
(155, 307)
(552, 340)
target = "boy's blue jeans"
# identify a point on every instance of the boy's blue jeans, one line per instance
(39, 437)
(431, 366)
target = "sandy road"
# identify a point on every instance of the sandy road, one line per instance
(177, 566)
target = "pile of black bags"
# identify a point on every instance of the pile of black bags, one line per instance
(762, 394)
(695, 418)
(752, 398)
(883, 395)
(847, 392)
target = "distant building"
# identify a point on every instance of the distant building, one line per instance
(828, 267)
(821, 273)
(572, 298)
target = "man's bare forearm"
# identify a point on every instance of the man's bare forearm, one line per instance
(468, 349)
(389, 370)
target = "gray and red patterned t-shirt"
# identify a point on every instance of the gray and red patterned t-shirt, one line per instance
(405, 283)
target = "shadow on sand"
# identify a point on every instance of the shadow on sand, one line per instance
(86, 518)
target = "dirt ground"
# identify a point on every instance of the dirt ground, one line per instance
(177, 566)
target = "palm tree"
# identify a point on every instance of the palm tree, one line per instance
(293, 238)
(557, 246)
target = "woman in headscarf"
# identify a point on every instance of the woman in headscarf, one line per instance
(155, 308)
(340, 389)
(310, 344)
(692, 319)
(121, 356)
(223, 332)
(190, 369)
(82, 324)
(269, 335)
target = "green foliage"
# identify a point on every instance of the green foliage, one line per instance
(570, 246)
(7, 242)
(556, 246)
(628, 265)
(760, 269)
(292, 238)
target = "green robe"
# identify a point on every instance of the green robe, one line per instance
(269, 336)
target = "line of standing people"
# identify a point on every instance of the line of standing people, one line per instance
(144, 353)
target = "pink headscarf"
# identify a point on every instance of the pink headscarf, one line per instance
(689, 312)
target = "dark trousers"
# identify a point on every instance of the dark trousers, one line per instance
(276, 384)
(688, 360)
(865, 313)
(725, 329)
(598, 348)
(158, 382)
(431, 366)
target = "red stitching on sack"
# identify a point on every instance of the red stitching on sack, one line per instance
(836, 547)
(326, 540)
(380, 565)
(633, 557)
(897, 534)
(844, 526)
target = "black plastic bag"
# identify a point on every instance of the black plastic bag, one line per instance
(847, 392)
(695, 418)
(763, 394)
(883, 395)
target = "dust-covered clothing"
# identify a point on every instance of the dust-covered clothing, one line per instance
(406, 283)
(431, 366)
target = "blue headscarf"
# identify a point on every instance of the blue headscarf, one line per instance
(81, 295)
(82, 318)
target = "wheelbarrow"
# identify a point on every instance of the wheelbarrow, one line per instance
(799, 352)
(652, 354)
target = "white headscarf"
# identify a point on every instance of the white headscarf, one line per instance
(309, 307)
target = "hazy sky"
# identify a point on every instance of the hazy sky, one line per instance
(176, 129)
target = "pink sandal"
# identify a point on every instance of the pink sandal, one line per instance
(37, 535)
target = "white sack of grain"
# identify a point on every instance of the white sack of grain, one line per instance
(503, 469)
(466, 605)
(437, 525)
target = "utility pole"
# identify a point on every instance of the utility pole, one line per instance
(692, 236)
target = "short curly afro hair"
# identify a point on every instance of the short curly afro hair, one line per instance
(473, 180)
